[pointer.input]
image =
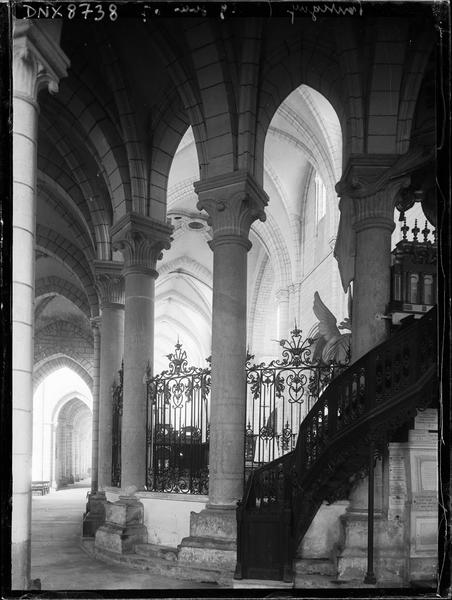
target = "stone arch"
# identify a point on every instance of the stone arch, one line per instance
(66, 398)
(73, 258)
(73, 442)
(57, 285)
(171, 123)
(102, 140)
(173, 57)
(51, 364)
(291, 63)
(134, 151)
(58, 200)
(78, 166)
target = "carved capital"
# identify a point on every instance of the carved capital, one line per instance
(379, 206)
(141, 241)
(109, 282)
(233, 202)
(38, 60)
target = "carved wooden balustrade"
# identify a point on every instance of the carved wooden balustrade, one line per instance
(370, 400)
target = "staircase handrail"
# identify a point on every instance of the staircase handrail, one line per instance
(353, 397)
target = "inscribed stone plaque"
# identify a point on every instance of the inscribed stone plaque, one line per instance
(425, 502)
(423, 436)
(397, 476)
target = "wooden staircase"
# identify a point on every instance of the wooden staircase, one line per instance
(371, 399)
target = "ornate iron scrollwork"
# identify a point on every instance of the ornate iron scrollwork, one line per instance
(178, 427)
(280, 395)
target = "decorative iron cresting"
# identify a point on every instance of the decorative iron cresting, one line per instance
(177, 445)
(280, 394)
(117, 391)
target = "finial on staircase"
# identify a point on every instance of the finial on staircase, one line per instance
(404, 229)
(425, 232)
(415, 231)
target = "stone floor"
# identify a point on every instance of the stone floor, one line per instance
(58, 560)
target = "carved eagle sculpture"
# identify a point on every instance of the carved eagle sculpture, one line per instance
(331, 345)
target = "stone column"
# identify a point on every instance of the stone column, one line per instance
(37, 62)
(141, 241)
(95, 322)
(234, 202)
(371, 222)
(110, 286)
(282, 298)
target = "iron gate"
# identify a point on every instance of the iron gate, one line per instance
(177, 451)
(117, 389)
(279, 396)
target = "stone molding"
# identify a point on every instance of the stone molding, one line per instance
(282, 295)
(38, 60)
(141, 241)
(233, 202)
(369, 191)
(95, 324)
(109, 282)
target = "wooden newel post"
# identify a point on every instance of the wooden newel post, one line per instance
(370, 576)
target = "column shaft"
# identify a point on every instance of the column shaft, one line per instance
(24, 209)
(138, 351)
(228, 397)
(111, 354)
(95, 423)
(371, 292)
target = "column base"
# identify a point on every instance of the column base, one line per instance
(94, 516)
(212, 540)
(390, 552)
(123, 527)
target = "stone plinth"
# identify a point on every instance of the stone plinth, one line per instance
(212, 540)
(390, 555)
(94, 516)
(123, 527)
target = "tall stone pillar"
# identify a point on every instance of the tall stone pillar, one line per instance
(37, 62)
(368, 195)
(370, 216)
(233, 202)
(110, 286)
(282, 298)
(94, 513)
(95, 428)
(141, 241)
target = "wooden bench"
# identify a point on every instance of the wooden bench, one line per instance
(40, 487)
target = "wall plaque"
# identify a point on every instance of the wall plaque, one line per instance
(425, 502)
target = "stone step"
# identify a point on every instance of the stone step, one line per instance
(314, 581)
(156, 551)
(260, 584)
(169, 568)
(315, 566)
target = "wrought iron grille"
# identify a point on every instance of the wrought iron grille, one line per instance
(178, 427)
(117, 389)
(280, 394)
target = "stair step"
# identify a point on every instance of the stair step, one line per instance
(155, 551)
(315, 581)
(315, 566)
(260, 584)
(171, 568)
